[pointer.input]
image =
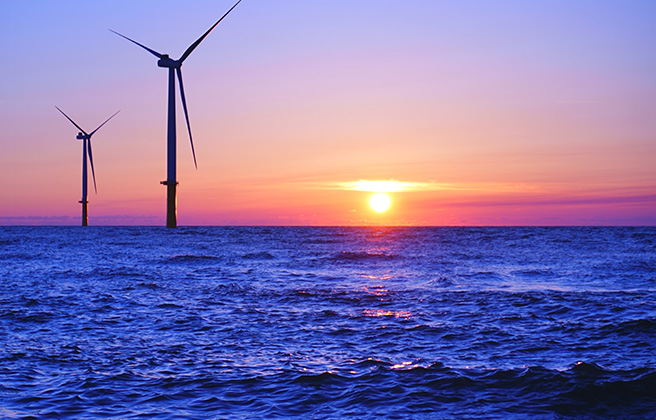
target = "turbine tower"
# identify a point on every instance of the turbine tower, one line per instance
(174, 68)
(86, 150)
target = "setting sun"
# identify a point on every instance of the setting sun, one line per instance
(380, 202)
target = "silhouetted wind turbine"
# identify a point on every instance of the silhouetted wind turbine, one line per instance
(86, 150)
(174, 67)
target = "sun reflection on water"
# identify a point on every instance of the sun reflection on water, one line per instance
(378, 290)
(378, 313)
(406, 365)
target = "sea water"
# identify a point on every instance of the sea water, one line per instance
(327, 323)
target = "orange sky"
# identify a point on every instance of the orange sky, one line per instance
(507, 113)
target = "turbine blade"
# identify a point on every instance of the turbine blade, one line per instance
(199, 40)
(104, 123)
(184, 106)
(153, 52)
(69, 118)
(93, 172)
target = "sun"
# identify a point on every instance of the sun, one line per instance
(380, 202)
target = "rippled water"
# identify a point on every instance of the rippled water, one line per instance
(322, 323)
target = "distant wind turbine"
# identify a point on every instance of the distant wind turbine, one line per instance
(86, 150)
(174, 67)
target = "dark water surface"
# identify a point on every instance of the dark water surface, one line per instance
(327, 323)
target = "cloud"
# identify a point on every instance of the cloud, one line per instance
(388, 186)
(562, 201)
(391, 186)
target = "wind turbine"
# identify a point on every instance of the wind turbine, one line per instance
(86, 150)
(174, 67)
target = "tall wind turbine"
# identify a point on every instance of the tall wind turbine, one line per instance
(86, 150)
(174, 67)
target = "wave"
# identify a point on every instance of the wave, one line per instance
(322, 241)
(363, 256)
(643, 326)
(263, 255)
(188, 258)
(585, 389)
(373, 388)
(119, 273)
(21, 256)
(40, 317)
(365, 388)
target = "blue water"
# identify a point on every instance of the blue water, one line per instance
(327, 323)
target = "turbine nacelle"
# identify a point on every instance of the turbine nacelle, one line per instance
(167, 62)
(82, 136)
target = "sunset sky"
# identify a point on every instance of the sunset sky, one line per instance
(503, 112)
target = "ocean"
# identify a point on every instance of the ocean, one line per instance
(328, 322)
